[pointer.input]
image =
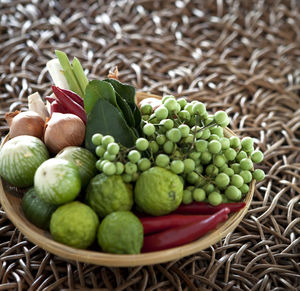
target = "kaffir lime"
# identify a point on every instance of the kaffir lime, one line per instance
(74, 224)
(121, 232)
(158, 191)
(106, 194)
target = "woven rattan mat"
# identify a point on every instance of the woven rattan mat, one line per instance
(240, 56)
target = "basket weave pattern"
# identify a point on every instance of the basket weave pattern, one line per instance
(238, 56)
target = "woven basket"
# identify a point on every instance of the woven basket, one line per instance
(11, 202)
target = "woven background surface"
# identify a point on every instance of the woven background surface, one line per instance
(239, 56)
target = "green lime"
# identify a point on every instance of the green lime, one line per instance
(121, 232)
(37, 210)
(158, 191)
(74, 224)
(106, 194)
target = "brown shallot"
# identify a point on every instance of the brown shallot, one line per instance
(63, 130)
(25, 123)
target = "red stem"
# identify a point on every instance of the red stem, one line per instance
(69, 104)
(57, 107)
(206, 208)
(73, 96)
(183, 234)
(50, 99)
(159, 223)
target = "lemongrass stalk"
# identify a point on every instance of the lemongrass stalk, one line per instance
(57, 74)
(79, 74)
(68, 72)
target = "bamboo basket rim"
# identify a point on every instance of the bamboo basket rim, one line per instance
(12, 207)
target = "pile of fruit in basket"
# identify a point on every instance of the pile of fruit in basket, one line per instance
(99, 168)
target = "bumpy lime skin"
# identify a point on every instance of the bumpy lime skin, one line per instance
(158, 191)
(108, 194)
(74, 224)
(121, 233)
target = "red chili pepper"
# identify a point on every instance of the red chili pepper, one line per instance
(183, 234)
(73, 96)
(72, 106)
(206, 208)
(57, 107)
(159, 223)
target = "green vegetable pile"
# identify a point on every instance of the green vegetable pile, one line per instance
(183, 138)
(132, 160)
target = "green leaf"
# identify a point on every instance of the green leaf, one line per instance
(138, 119)
(125, 91)
(135, 132)
(137, 115)
(106, 119)
(96, 90)
(126, 110)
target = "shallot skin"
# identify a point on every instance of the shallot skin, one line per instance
(25, 123)
(62, 130)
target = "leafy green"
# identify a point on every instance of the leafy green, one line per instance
(126, 110)
(137, 115)
(127, 92)
(124, 90)
(106, 119)
(96, 90)
(111, 109)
